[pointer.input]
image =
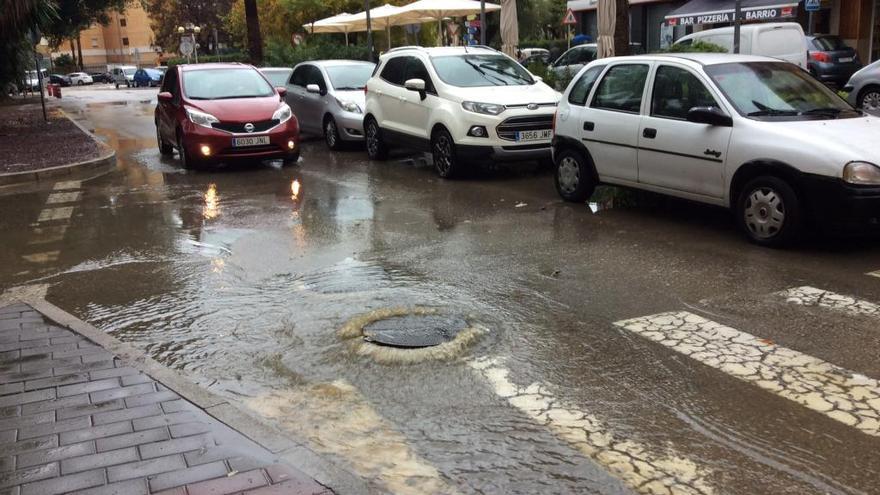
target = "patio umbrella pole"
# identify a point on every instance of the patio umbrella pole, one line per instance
(736, 25)
(483, 22)
(388, 35)
(369, 29)
(346, 38)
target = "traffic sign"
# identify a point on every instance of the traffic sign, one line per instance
(812, 5)
(186, 46)
(569, 18)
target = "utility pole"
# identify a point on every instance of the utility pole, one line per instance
(483, 22)
(369, 29)
(737, 23)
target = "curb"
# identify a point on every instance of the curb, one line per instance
(95, 167)
(277, 442)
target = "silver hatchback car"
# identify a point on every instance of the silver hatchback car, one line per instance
(327, 97)
(864, 88)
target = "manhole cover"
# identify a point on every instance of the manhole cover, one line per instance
(413, 331)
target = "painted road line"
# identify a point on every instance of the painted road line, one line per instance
(67, 184)
(634, 463)
(50, 214)
(48, 235)
(874, 274)
(42, 257)
(811, 296)
(836, 392)
(63, 197)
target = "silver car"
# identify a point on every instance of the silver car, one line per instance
(327, 97)
(574, 59)
(864, 88)
(277, 76)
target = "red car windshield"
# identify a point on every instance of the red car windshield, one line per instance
(218, 84)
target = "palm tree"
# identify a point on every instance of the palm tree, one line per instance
(19, 16)
(255, 40)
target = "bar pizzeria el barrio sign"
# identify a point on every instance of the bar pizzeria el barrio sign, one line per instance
(766, 14)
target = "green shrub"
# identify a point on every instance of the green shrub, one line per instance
(64, 64)
(282, 54)
(556, 81)
(695, 47)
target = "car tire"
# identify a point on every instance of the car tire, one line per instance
(869, 99)
(769, 212)
(186, 161)
(79, 83)
(376, 147)
(443, 150)
(331, 134)
(291, 160)
(117, 85)
(574, 178)
(165, 149)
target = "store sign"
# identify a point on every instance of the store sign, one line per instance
(766, 14)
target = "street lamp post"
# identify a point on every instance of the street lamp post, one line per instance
(193, 31)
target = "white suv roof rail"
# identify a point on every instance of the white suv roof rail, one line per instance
(400, 48)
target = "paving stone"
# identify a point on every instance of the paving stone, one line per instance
(177, 406)
(129, 487)
(98, 356)
(89, 409)
(45, 361)
(55, 454)
(10, 411)
(99, 460)
(27, 475)
(30, 445)
(187, 429)
(24, 398)
(126, 414)
(290, 488)
(118, 393)
(16, 422)
(29, 348)
(140, 400)
(7, 356)
(11, 388)
(7, 436)
(82, 351)
(45, 349)
(80, 366)
(146, 468)
(188, 475)
(65, 484)
(88, 387)
(175, 446)
(232, 484)
(111, 372)
(244, 463)
(173, 491)
(135, 379)
(24, 375)
(61, 338)
(136, 438)
(95, 432)
(56, 381)
(164, 420)
(210, 454)
(56, 427)
(49, 405)
(7, 464)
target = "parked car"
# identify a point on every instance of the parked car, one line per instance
(753, 134)
(147, 78)
(60, 79)
(574, 59)
(782, 40)
(217, 112)
(32, 80)
(864, 88)
(327, 97)
(123, 75)
(524, 53)
(101, 77)
(277, 76)
(542, 59)
(461, 104)
(161, 68)
(80, 78)
(831, 60)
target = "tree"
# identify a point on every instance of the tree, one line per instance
(167, 15)
(254, 38)
(77, 15)
(621, 29)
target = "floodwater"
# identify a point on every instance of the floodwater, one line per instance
(243, 279)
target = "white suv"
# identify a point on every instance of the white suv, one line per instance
(461, 104)
(753, 134)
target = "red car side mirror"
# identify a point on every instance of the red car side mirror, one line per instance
(165, 97)
(282, 92)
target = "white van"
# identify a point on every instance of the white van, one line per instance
(782, 40)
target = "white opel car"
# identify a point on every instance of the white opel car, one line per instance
(80, 78)
(461, 104)
(753, 134)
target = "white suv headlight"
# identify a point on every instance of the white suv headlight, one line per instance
(861, 173)
(200, 118)
(283, 113)
(349, 106)
(484, 108)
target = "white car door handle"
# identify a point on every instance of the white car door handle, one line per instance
(401, 98)
(379, 92)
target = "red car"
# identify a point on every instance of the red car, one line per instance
(216, 113)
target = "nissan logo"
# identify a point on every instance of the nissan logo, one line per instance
(532, 106)
(249, 127)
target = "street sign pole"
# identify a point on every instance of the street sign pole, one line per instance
(811, 7)
(737, 23)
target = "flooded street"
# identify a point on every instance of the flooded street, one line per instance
(256, 281)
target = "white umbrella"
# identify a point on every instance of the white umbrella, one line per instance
(380, 18)
(438, 9)
(335, 24)
(606, 12)
(509, 27)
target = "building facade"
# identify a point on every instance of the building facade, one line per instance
(857, 22)
(126, 40)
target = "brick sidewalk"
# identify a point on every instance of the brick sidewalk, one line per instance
(75, 419)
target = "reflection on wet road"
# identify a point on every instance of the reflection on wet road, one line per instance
(243, 277)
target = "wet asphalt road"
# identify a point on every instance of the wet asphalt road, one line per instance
(243, 277)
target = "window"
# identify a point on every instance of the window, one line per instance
(676, 91)
(567, 58)
(581, 89)
(585, 56)
(216, 84)
(125, 41)
(349, 77)
(94, 42)
(314, 76)
(621, 89)
(478, 70)
(829, 43)
(415, 69)
(393, 70)
(122, 22)
(299, 76)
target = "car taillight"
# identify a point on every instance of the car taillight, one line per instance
(820, 57)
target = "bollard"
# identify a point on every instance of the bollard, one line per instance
(58, 91)
(50, 89)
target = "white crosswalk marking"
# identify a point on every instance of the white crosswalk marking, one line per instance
(50, 214)
(42, 257)
(811, 296)
(634, 463)
(67, 184)
(63, 197)
(838, 393)
(874, 274)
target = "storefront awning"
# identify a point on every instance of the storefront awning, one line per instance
(723, 11)
(577, 5)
